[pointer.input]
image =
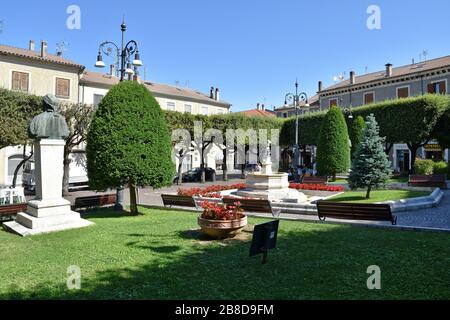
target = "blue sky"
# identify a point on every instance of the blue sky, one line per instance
(252, 50)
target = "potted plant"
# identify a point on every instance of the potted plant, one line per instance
(222, 221)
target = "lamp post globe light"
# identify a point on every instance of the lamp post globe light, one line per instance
(124, 62)
(124, 65)
(295, 100)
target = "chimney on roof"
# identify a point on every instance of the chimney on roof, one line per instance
(388, 70)
(320, 86)
(263, 107)
(217, 95)
(257, 106)
(352, 77)
(211, 93)
(32, 45)
(112, 70)
(44, 49)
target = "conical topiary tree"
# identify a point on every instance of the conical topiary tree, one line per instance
(129, 142)
(371, 167)
(333, 149)
(356, 133)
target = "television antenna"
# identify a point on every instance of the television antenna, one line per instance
(61, 47)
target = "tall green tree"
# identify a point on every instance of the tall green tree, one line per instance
(371, 167)
(333, 149)
(129, 143)
(356, 133)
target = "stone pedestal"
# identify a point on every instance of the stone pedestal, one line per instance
(272, 186)
(49, 211)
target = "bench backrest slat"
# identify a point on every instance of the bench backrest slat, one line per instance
(342, 210)
(251, 205)
(12, 209)
(95, 201)
(176, 200)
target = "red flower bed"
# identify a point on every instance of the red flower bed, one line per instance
(210, 192)
(316, 187)
(217, 211)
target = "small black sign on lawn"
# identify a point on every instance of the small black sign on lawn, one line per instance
(264, 239)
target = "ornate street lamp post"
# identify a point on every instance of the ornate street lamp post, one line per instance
(124, 66)
(295, 100)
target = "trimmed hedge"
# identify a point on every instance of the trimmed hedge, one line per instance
(16, 112)
(333, 150)
(128, 142)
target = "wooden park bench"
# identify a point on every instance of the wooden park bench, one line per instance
(254, 205)
(170, 200)
(421, 180)
(101, 200)
(315, 180)
(8, 211)
(355, 211)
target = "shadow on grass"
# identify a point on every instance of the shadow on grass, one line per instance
(314, 261)
(105, 213)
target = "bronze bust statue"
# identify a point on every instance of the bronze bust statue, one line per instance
(49, 124)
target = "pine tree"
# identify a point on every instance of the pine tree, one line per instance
(356, 133)
(371, 167)
(333, 149)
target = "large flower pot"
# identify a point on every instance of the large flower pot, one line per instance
(221, 229)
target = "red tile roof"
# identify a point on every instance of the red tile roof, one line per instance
(35, 55)
(396, 72)
(258, 113)
(95, 78)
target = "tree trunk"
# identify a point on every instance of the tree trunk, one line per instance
(413, 148)
(180, 167)
(224, 166)
(242, 171)
(202, 165)
(333, 178)
(66, 175)
(368, 192)
(388, 148)
(133, 200)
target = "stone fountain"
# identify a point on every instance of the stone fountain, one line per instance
(270, 186)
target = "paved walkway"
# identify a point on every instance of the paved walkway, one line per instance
(434, 218)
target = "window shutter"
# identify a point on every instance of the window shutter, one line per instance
(368, 98)
(20, 81)
(403, 93)
(442, 87)
(15, 81)
(24, 82)
(431, 88)
(62, 88)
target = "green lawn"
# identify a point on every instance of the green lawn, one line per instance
(378, 196)
(153, 257)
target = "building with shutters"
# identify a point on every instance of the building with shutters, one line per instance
(36, 71)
